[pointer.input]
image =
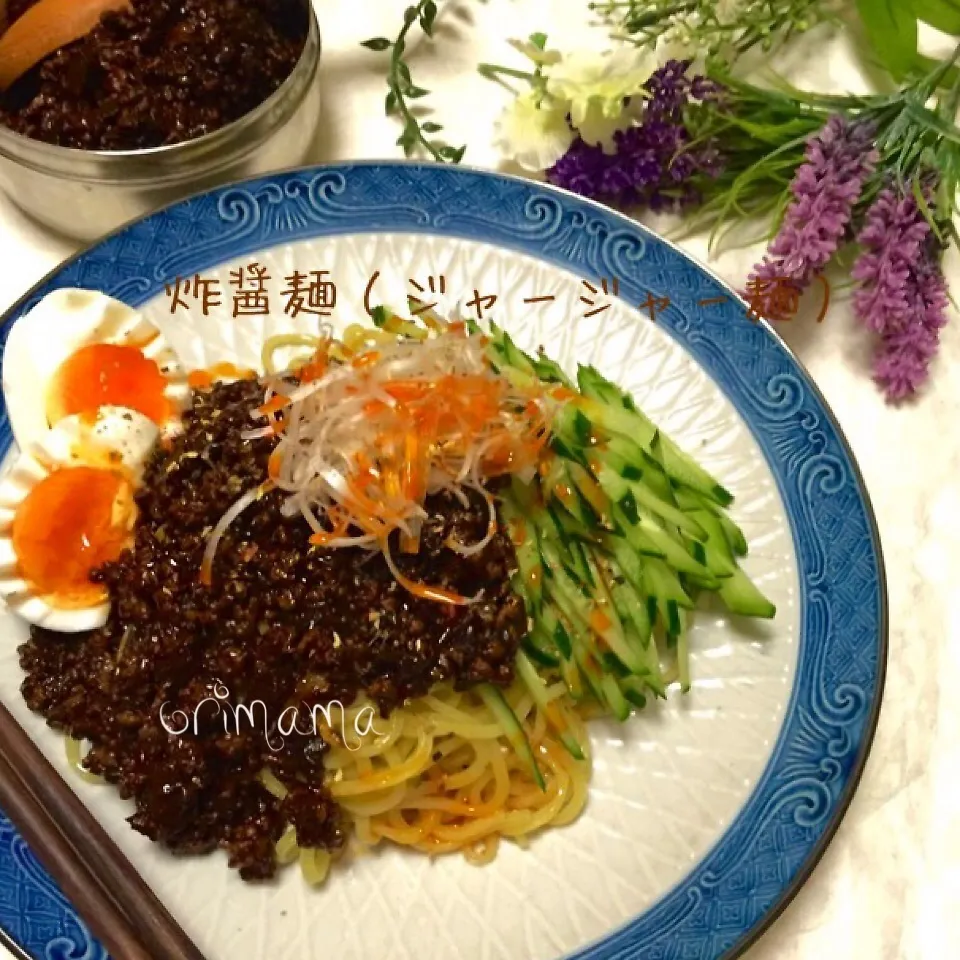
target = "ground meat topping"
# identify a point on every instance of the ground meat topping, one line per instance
(283, 623)
(164, 72)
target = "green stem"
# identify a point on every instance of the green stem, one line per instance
(396, 86)
(492, 71)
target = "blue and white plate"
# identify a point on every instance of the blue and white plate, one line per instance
(707, 812)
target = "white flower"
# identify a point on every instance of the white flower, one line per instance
(536, 137)
(594, 85)
(726, 11)
(537, 54)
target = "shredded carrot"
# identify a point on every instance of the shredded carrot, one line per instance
(366, 359)
(274, 405)
(428, 592)
(273, 465)
(599, 621)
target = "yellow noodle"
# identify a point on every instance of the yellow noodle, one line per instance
(75, 759)
(277, 342)
(272, 784)
(416, 762)
(287, 850)
(315, 865)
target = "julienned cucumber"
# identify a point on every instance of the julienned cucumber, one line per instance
(628, 530)
(512, 728)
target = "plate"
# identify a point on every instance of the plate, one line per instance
(706, 813)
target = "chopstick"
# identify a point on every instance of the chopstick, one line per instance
(100, 881)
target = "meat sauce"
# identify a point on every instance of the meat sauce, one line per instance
(282, 622)
(161, 73)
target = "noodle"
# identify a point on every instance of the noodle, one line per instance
(278, 342)
(456, 783)
(440, 777)
(75, 759)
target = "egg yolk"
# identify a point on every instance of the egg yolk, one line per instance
(104, 374)
(204, 379)
(71, 522)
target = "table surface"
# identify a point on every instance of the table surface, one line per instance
(889, 884)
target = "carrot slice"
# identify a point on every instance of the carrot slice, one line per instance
(47, 27)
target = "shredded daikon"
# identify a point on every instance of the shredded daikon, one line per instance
(365, 435)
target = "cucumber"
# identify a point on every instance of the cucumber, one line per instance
(556, 631)
(680, 642)
(647, 533)
(741, 596)
(538, 690)
(614, 698)
(715, 554)
(633, 690)
(665, 589)
(512, 729)
(614, 411)
(691, 501)
(550, 371)
(592, 615)
(634, 463)
(540, 647)
(513, 356)
(684, 469)
(565, 551)
(614, 635)
(568, 493)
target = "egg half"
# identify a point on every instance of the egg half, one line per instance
(79, 350)
(66, 507)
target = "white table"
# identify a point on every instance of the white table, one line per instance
(889, 885)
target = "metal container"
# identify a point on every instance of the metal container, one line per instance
(86, 193)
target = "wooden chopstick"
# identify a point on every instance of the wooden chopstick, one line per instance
(112, 897)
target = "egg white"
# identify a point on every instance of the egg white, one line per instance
(59, 325)
(130, 435)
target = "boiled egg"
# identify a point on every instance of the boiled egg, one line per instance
(79, 350)
(66, 507)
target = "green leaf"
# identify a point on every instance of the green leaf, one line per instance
(539, 40)
(390, 104)
(414, 92)
(427, 15)
(891, 30)
(927, 65)
(377, 43)
(453, 154)
(430, 127)
(410, 14)
(940, 14)
(403, 72)
(408, 138)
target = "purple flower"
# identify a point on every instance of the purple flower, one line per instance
(901, 291)
(838, 160)
(891, 243)
(903, 357)
(652, 164)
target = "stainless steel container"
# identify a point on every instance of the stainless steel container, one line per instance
(86, 193)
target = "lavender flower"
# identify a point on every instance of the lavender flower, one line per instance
(838, 161)
(903, 357)
(901, 293)
(891, 242)
(652, 163)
